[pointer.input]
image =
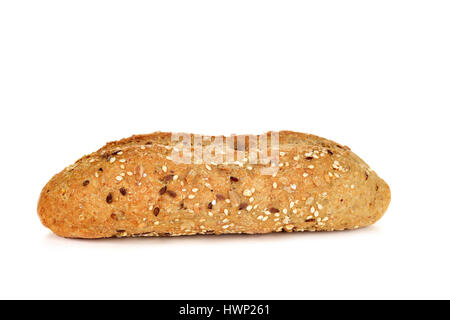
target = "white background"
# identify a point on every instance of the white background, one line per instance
(374, 75)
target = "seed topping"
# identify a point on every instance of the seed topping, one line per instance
(109, 198)
(242, 206)
(163, 190)
(168, 178)
(220, 196)
(171, 193)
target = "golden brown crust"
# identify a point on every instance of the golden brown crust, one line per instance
(132, 187)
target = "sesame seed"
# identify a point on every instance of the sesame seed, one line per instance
(274, 185)
(293, 186)
(167, 178)
(112, 159)
(291, 205)
(220, 196)
(247, 193)
(249, 208)
(208, 167)
(163, 190)
(171, 193)
(305, 175)
(195, 190)
(129, 173)
(191, 196)
(164, 168)
(119, 178)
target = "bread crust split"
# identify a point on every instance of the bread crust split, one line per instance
(132, 187)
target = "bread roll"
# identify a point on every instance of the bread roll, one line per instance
(134, 187)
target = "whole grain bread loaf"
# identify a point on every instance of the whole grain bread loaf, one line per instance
(133, 187)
